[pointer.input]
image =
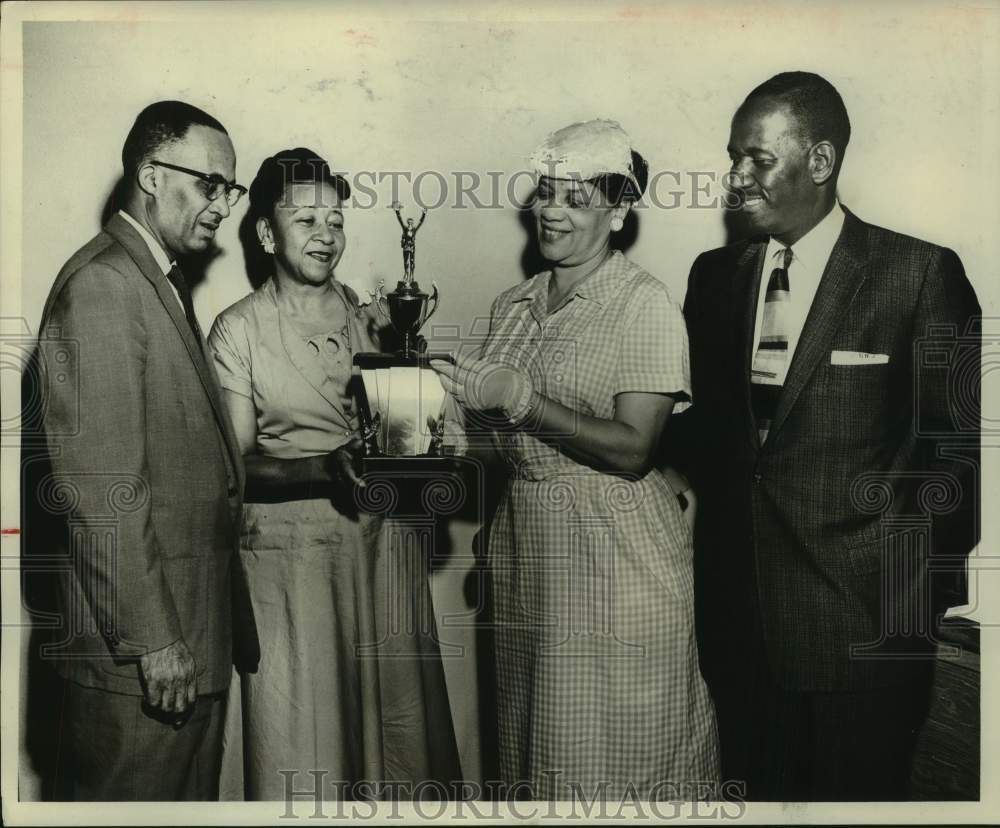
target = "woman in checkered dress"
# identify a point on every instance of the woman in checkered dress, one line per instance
(599, 692)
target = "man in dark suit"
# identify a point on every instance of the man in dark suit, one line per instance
(833, 446)
(147, 471)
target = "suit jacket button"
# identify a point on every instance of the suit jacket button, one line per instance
(756, 477)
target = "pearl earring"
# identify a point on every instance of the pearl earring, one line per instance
(268, 245)
(616, 224)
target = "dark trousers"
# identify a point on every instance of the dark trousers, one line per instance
(119, 750)
(813, 747)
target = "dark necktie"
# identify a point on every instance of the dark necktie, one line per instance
(176, 278)
(770, 363)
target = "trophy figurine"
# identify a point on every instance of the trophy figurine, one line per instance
(407, 308)
(408, 241)
(400, 392)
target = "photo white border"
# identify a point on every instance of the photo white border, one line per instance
(228, 813)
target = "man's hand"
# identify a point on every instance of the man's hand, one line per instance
(168, 678)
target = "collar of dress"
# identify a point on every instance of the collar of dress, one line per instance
(599, 287)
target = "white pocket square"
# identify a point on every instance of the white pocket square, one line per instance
(857, 358)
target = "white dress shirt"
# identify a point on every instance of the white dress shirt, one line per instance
(159, 254)
(809, 257)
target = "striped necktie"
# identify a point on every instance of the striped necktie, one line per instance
(176, 277)
(770, 363)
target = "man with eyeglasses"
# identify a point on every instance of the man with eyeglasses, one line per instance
(137, 431)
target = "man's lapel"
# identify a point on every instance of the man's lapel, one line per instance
(136, 247)
(843, 276)
(746, 286)
(126, 235)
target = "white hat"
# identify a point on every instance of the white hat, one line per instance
(584, 151)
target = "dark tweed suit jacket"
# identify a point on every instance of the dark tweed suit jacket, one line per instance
(145, 469)
(831, 545)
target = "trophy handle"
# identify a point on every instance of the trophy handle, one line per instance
(370, 435)
(431, 308)
(378, 297)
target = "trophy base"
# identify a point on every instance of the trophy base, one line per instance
(421, 464)
(368, 361)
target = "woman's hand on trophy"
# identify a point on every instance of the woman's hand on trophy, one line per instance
(484, 385)
(343, 464)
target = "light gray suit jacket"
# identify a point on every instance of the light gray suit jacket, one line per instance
(146, 471)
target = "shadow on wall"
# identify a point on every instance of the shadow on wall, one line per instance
(258, 264)
(44, 557)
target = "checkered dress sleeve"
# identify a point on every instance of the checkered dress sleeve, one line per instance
(654, 347)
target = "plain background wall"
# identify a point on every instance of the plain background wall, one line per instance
(387, 95)
(416, 89)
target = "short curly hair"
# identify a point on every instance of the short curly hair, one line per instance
(291, 166)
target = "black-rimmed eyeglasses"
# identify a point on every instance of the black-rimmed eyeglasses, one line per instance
(217, 185)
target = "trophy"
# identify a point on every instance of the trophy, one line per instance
(400, 391)
(408, 306)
